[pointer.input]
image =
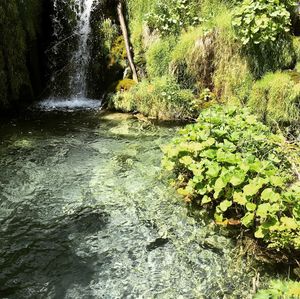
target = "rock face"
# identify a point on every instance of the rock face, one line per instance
(23, 27)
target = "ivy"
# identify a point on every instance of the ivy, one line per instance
(231, 164)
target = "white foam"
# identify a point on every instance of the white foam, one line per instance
(51, 104)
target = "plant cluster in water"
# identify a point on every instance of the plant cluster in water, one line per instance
(231, 164)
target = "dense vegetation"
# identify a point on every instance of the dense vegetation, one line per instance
(231, 67)
(217, 50)
(240, 161)
(230, 163)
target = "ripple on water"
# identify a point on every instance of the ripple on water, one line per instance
(83, 214)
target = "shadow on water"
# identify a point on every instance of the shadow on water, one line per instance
(40, 258)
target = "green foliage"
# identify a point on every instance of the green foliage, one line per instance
(231, 164)
(261, 21)
(276, 98)
(296, 45)
(271, 57)
(122, 85)
(170, 17)
(109, 33)
(158, 57)
(161, 98)
(280, 290)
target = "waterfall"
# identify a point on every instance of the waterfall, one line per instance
(69, 55)
(80, 58)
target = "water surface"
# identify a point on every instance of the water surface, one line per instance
(85, 214)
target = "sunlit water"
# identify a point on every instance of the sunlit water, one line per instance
(85, 214)
(59, 104)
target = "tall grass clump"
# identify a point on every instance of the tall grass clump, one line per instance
(276, 99)
(158, 57)
(161, 98)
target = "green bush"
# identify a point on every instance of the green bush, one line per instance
(231, 164)
(276, 98)
(170, 17)
(262, 26)
(271, 57)
(296, 45)
(158, 57)
(280, 290)
(161, 98)
(261, 21)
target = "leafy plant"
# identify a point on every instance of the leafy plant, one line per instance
(170, 17)
(280, 289)
(261, 21)
(161, 98)
(231, 164)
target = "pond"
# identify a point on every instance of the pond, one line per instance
(86, 213)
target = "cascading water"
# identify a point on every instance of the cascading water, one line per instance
(81, 56)
(70, 55)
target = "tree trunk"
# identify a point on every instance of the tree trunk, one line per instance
(126, 38)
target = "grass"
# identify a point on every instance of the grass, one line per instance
(160, 98)
(276, 98)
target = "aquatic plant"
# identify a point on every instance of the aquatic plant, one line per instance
(232, 165)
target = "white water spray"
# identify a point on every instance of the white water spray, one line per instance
(76, 64)
(81, 55)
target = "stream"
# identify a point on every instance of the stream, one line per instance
(86, 213)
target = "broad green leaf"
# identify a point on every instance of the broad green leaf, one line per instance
(276, 181)
(251, 206)
(254, 186)
(269, 195)
(263, 210)
(225, 204)
(205, 200)
(289, 223)
(186, 160)
(259, 233)
(219, 186)
(213, 170)
(247, 220)
(239, 198)
(238, 178)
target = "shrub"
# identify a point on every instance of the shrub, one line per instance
(262, 27)
(271, 57)
(161, 98)
(296, 45)
(231, 164)
(261, 21)
(158, 57)
(276, 98)
(169, 17)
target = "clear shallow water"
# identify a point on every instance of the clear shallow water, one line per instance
(84, 214)
(77, 103)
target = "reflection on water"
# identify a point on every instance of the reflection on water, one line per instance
(84, 214)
